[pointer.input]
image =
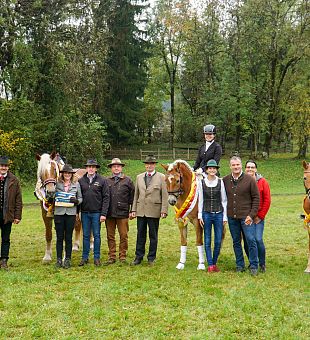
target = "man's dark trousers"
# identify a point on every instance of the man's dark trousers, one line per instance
(153, 224)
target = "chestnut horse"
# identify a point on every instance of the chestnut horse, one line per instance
(306, 206)
(182, 188)
(47, 176)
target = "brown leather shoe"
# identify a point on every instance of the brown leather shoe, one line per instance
(4, 264)
(83, 262)
(110, 261)
(97, 262)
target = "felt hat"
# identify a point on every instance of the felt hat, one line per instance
(116, 161)
(150, 159)
(212, 164)
(4, 160)
(67, 168)
(92, 162)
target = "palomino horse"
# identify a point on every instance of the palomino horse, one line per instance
(182, 188)
(306, 206)
(47, 176)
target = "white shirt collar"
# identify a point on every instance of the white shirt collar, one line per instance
(211, 183)
(208, 144)
(152, 173)
(91, 177)
(237, 177)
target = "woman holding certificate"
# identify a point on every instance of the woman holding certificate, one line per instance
(68, 197)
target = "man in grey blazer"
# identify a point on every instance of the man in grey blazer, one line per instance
(149, 205)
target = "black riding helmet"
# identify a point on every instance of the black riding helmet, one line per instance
(209, 129)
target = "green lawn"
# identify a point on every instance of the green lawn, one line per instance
(142, 302)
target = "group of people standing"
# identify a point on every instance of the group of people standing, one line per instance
(241, 198)
(113, 200)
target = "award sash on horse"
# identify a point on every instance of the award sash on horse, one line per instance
(190, 201)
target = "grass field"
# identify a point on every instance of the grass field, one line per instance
(123, 302)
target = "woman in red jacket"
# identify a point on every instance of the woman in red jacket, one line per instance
(264, 205)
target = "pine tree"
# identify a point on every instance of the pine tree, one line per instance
(125, 68)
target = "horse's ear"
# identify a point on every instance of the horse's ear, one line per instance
(53, 155)
(38, 157)
(164, 166)
(305, 164)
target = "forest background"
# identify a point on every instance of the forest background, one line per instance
(83, 76)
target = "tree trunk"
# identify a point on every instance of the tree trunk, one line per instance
(171, 114)
(238, 132)
(302, 152)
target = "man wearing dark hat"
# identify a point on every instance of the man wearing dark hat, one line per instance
(10, 207)
(94, 209)
(121, 197)
(149, 205)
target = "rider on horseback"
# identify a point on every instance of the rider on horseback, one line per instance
(209, 150)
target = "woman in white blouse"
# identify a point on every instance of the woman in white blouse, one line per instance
(212, 211)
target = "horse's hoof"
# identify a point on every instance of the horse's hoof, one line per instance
(307, 271)
(46, 261)
(201, 266)
(180, 266)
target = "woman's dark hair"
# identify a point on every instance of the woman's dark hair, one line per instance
(251, 161)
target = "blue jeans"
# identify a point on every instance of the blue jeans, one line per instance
(91, 222)
(236, 227)
(259, 231)
(216, 220)
(260, 243)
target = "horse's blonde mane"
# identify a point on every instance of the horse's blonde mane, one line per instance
(178, 161)
(43, 163)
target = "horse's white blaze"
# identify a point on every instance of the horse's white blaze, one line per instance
(170, 177)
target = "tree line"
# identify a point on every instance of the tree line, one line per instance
(77, 76)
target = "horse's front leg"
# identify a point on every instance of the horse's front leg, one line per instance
(77, 233)
(48, 237)
(199, 244)
(183, 234)
(308, 266)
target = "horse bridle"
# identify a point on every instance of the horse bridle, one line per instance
(307, 189)
(51, 180)
(48, 181)
(179, 192)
